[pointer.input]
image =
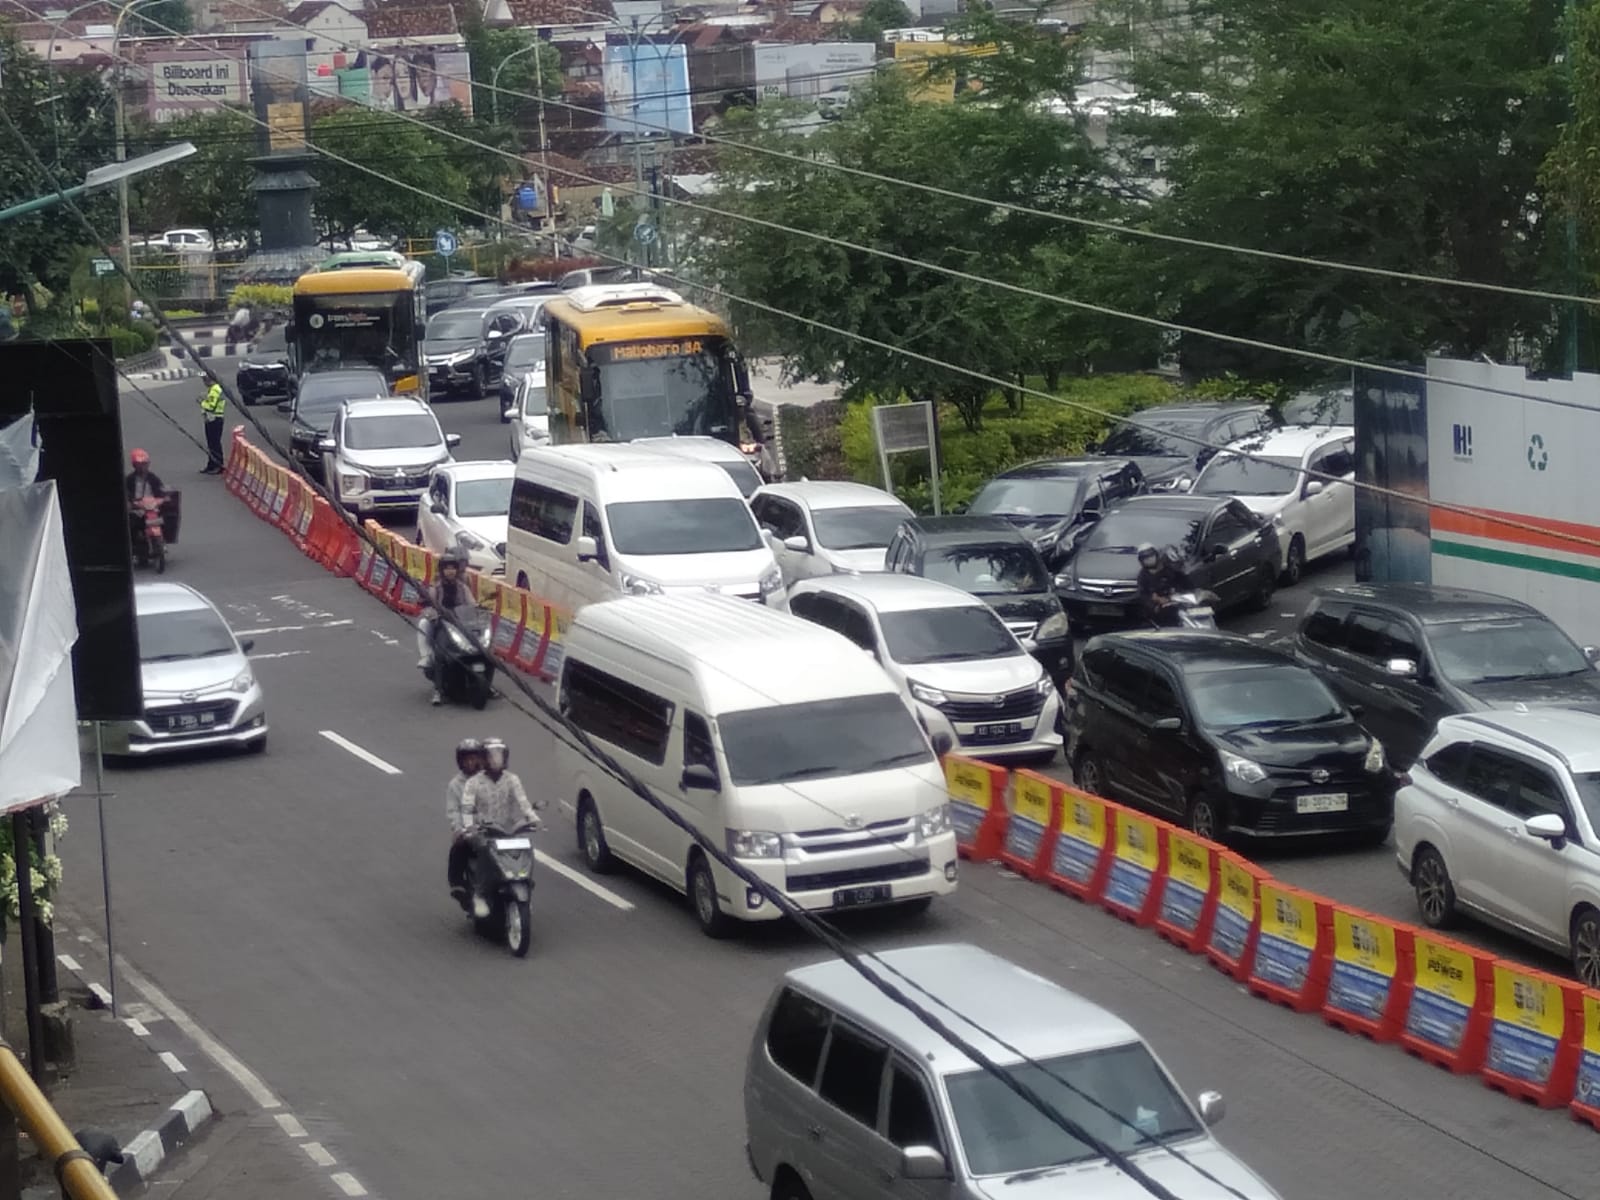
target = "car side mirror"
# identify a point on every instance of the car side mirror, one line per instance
(285, 407)
(1184, 485)
(1313, 488)
(438, 509)
(1167, 725)
(509, 412)
(797, 543)
(452, 440)
(923, 1162)
(1218, 550)
(943, 743)
(494, 335)
(1212, 1107)
(699, 777)
(1403, 668)
(247, 645)
(1547, 827)
(1592, 653)
(1356, 710)
(588, 549)
(327, 445)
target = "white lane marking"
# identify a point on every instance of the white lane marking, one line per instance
(137, 1026)
(292, 628)
(348, 1184)
(172, 1062)
(101, 994)
(583, 881)
(70, 963)
(318, 1154)
(290, 1124)
(279, 654)
(385, 638)
(365, 756)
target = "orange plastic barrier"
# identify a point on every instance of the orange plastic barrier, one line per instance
(238, 455)
(1080, 859)
(536, 637)
(1237, 921)
(376, 575)
(1031, 828)
(509, 623)
(1294, 948)
(1138, 854)
(416, 572)
(977, 793)
(1586, 1092)
(256, 482)
(1188, 901)
(277, 493)
(1535, 1028)
(1447, 1021)
(1369, 988)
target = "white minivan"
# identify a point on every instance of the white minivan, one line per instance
(594, 522)
(776, 739)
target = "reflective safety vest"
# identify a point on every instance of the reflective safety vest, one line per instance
(212, 403)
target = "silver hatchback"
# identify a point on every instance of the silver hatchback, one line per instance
(848, 1095)
(199, 690)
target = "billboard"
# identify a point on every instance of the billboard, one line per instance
(184, 82)
(809, 69)
(648, 84)
(405, 79)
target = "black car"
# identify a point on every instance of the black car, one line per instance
(1224, 547)
(524, 354)
(1410, 653)
(264, 373)
(1049, 501)
(1224, 735)
(316, 401)
(1171, 443)
(987, 557)
(507, 319)
(455, 350)
(457, 289)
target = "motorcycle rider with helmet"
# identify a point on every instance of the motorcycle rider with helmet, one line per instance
(469, 762)
(494, 799)
(1160, 575)
(141, 484)
(449, 595)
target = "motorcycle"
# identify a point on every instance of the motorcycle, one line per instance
(501, 871)
(153, 525)
(461, 668)
(1188, 610)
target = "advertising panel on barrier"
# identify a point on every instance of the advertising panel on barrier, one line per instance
(1130, 891)
(976, 801)
(1232, 942)
(555, 652)
(1370, 983)
(1293, 948)
(509, 618)
(1447, 1018)
(1080, 858)
(1188, 890)
(1031, 825)
(535, 644)
(1586, 1092)
(1533, 1035)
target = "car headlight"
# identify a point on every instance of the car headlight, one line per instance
(1068, 579)
(1375, 760)
(928, 695)
(352, 483)
(464, 356)
(1052, 629)
(771, 582)
(934, 822)
(638, 585)
(470, 541)
(1243, 769)
(243, 681)
(754, 843)
(1044, 687)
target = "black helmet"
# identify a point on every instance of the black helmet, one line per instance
(495, 753)
(1147, 550)
(467, 746)
(451, 559)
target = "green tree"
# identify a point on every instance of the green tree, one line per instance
(1572, 173)
(488, 49)
(1406, 136)
(877, 16)
(348, 198)
(212, 189)
(161, 18)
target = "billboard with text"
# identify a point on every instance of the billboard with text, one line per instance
(647, 89)
(184, 82)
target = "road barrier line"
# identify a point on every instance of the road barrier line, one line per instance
(583, 881)
(365, 756)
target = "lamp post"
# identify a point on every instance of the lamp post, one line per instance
(494, 78)
(118, 172)
(122, 149)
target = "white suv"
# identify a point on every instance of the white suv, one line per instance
(1502, 819)
(380, 454)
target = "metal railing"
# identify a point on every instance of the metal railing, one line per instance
(75, 1170)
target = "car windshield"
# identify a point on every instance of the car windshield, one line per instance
(483, 497)
(1120, 1096)
(987, 570)
(850, 735)
(1268, 695)
(857, 528)
(392, 433)
(321, 395)
(1589, 792)
(1501, 651)
(1028, 497)
(744, 476)
(1155, 437)
(1235, 475)
(937, 635)
(1124, 532)
(524, 353)
(705, 526)
(1320, 408)
(535, 402)
(272, 343)
(189, 633)
(454, 327)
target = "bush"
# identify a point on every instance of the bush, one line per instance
(261, 295)
(126, 342)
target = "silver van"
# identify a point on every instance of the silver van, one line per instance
(849, 1096)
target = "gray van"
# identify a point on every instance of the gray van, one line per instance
(849, 1096)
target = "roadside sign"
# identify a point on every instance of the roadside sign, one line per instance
(899, 428)
(444, 242)
(102, 266)
(644, 232)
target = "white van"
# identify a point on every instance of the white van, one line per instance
(594, 522)
(776, 739)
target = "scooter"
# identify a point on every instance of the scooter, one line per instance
(152, 524)
(461, 668)
(1188, 610)
(501, 871)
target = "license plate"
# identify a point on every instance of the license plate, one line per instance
(513, 844)
(1322, 802)
(1105, 610)
(1004, 729)
(190, 721)
(875, 893)
(1202, 612)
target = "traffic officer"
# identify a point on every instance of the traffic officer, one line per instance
(212, 407)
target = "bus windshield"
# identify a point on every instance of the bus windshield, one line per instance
(657, 388)
(377, 330)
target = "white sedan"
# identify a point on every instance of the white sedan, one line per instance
(464, 509)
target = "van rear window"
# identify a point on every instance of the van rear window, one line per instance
(615, 711)
(795, 1036)
(820, 740)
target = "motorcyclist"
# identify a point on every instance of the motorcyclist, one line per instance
(494, 799)
(469, 762)
(449, 595)
(141, 483)
(1160, 575)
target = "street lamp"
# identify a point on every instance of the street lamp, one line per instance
(118, 172)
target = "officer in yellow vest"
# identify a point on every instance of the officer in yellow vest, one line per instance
(213, 406)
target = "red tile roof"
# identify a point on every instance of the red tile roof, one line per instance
(393, 21)
(538, 13)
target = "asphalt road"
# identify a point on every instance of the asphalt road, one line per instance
(294, 904)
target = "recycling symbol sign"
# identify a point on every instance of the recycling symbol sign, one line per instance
(1538, 456)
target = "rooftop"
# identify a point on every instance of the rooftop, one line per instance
(892, 592)
(1292, 442)
(1432, 604)
(166, 597)
(1573, 736)
(488, 468)
(946, 530)
(1203, 651)
(834, 493)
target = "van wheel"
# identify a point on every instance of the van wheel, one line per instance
(1294, 562)
(788, 1187)
(522, 581)
(1436, 895)
(702, 886)
(592, 839)
(1264, 589)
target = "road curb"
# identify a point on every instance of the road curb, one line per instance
(167, 374)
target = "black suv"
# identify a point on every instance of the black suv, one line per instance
(1173, 442)
(987, 557)
(264, 372)
(1225, 735)
(1410, 653)
(1050, 500)
(316, 402)
(456, 350)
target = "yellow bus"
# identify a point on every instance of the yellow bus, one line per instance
(635, 360)
(360, 317)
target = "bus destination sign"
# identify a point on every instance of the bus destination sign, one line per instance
(628, 351)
